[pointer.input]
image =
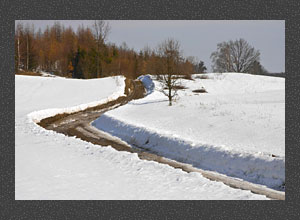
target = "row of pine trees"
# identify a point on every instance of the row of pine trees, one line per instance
(86, 53)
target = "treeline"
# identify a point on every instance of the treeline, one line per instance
(86, 53)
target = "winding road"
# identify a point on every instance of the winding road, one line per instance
(79, 124)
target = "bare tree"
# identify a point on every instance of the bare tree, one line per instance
(29, 35)
(18, 31)
(234, 56)
(169, 51)
(101, 30)
(27, 49)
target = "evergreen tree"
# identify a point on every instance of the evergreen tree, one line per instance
(77, 64)
(201, 67)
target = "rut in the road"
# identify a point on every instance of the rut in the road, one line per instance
(78, 124)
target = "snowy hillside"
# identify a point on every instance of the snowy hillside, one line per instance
(53, 166)
(236, 128)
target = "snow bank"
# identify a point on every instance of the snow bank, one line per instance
(256, 168)
(147, 82)
(37, 116)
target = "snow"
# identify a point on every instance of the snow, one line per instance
(49, 165)
(148, 83)
(233, 129)
(110, 89)
(45, 74)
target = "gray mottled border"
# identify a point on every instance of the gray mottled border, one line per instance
(135, 10)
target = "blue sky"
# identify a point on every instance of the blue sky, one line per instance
(198, 38)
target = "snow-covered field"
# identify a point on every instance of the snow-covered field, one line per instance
(52, 166)
(234, 129)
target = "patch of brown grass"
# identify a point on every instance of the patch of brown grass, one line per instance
(202, 90)
(177, 87)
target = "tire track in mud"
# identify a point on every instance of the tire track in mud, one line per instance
(79, 124)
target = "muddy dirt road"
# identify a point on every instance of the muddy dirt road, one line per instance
(79, 124)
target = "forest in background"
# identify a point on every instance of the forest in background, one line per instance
(86, 53)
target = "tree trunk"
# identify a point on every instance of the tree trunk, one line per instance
(18, 64)
(27, 63)
(97, 63)
(170, 91)
(98, 60)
